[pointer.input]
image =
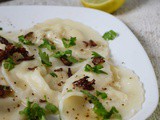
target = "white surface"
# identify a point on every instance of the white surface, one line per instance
(125, 48)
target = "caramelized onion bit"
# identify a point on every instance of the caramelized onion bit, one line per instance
(98, 60)
(58, 70)
(10, 49)
(5, 91)
(65, 61)
(91, 43)
(33, 68)
(69, 73)
(29, 36)
(84, 83)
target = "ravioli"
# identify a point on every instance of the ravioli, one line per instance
(54, 63)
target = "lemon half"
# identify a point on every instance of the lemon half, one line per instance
(106, 5)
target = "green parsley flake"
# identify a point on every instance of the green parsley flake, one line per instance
(48, 45)
(95, 54)
(100, 110)
(69, 42)
(24, 41)
(110, 35)
(51, 108)
(53, 74)
(9, 64)
(1, 28)
(69, 90)
(44, 58)
(66, 54)
(33, 111)
(102, 94)
(95, 69)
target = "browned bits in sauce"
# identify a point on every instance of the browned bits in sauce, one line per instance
(82, 50)
(122, 104)
(15, 83)
(5, 91)
(10, 49)
(33, 68)
(58, 70)
(84, 83)
(85, 98)
(77, 114)
(87, 115)
(76, 117)
(8, 109)
(42, 101)
(18, 105)
(29, 36)
(98, 60)
(59, 84)
(73, 109)
(104, 88)
(65, 61)
(69, 73)
(13, 99)
(91, 43)
(33, 94)
(67, 112)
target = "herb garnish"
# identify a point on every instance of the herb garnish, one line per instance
(102, 94)
(110, 35)
(44, 58)
(95, 69)
(67, 55)
(53, 74)
(100, 110)
(69, 90)
(69, 42)
(24, 41)
(35, 112)
(48, 45)
(1, 28)
(9, 64)
(95, 54)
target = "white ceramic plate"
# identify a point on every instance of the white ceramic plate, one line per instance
(125, 49)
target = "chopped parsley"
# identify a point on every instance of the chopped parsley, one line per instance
(48, 45)
(95, 54)
(69, 90)
(53, 74)
(9, 64)
(24, 41)
(66, 54)
(33, 111)
(44, 58)
(110, 35)
(95, 69)
(1, 28)
(51, 108)
(69, 42)
(102, 94)
(100, 110)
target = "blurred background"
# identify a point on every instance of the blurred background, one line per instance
(141, 16)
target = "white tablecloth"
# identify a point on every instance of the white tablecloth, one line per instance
(141, 16)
